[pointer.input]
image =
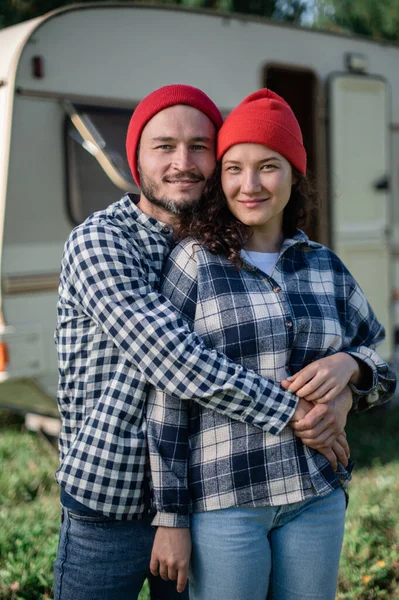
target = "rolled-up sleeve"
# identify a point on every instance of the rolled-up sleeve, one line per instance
(363, 334)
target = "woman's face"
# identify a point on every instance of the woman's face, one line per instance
(257, 183)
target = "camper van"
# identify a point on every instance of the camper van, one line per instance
(69, 82)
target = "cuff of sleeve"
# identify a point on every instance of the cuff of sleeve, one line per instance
(274, 408)
(163, 519)
(288, 414)
(364, 402)
(369, 363)
(283, 416)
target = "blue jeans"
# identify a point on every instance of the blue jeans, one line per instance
(291, 552)
(103, 559)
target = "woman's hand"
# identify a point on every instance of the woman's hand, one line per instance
(324, 379)
(321, 426)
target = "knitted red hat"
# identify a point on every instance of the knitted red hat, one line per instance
(264, 118)
(158, 100)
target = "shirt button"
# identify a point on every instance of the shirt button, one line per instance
(277, 289)
(289, 323)
(166, 229)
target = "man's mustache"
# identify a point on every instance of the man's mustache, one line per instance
(190, 176)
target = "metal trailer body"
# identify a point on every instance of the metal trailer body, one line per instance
(68, 83)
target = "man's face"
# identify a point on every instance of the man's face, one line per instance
(176, 158)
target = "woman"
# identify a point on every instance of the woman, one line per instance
(268, 510)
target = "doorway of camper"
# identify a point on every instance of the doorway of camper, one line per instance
(360, 173)
(298, 86)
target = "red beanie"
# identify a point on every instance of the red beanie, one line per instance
(158, 100)
(264, 118)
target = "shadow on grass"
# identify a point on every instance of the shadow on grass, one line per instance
(10, 418)
(373, 436)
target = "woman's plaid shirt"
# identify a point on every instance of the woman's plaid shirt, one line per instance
(308, 308)
(115, 335)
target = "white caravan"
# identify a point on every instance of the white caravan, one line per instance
(69, 82)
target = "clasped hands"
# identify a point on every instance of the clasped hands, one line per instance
(324, 402)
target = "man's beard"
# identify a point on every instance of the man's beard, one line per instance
(172, 206)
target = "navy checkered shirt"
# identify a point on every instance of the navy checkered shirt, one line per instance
(116, 334)
(310, 307)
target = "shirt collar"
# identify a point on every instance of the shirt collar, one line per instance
(128, 206)
(298, 239)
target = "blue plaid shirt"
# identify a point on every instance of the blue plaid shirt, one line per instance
(308, 308)
(115, 335)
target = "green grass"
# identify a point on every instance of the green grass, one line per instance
(369, 568)
(29, 512)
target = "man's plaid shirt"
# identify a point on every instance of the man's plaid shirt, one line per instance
(115, 335)
(308, 308)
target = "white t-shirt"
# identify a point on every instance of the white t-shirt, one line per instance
(265, 261)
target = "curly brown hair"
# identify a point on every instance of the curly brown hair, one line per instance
(215, 227)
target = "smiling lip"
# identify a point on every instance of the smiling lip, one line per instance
(253, 203)
(185, 183)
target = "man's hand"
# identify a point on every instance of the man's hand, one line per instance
(322, 427)
(339, 452)
(302, 409)
(170, 557)
(322, 380)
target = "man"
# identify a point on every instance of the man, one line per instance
(115, 335)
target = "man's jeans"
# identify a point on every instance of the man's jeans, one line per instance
(103, 559)
(237, 552)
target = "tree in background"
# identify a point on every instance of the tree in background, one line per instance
(15, 11)
(291, 10)
(378, 19)
(374, 18)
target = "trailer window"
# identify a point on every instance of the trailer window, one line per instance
(97, 170)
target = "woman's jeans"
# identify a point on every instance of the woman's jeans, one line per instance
(103, 559)
(238, 553)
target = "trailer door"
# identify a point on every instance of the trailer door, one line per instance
(359, 182)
